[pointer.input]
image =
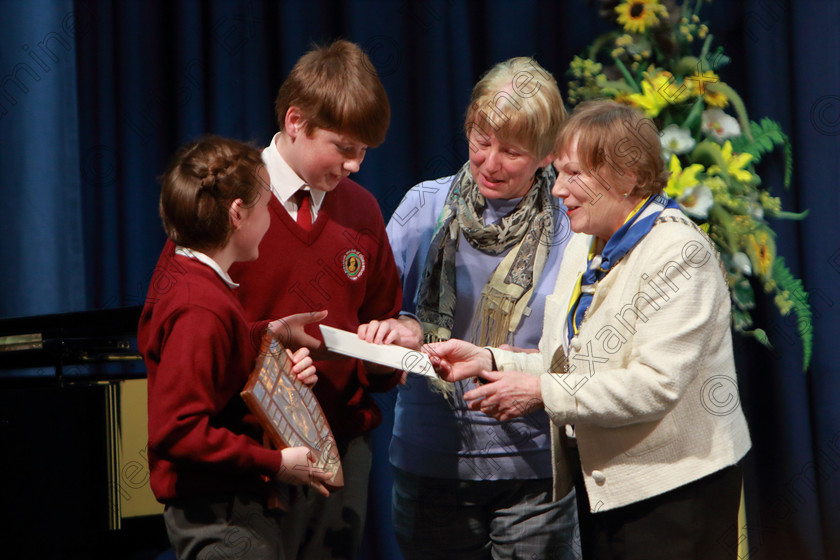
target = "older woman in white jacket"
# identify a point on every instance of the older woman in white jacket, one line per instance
(635, 366)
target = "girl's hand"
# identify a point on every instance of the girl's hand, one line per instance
(303, 368)
(298, 468)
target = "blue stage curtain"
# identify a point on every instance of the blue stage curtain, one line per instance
(95, 97)
(41, 240)
(791, 73)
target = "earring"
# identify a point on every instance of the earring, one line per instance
(626, 194)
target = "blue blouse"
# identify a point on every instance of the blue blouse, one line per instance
(431, 436)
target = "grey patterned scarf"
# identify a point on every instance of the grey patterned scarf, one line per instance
(527, 231)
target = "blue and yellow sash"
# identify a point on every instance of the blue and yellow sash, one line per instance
(635, 227)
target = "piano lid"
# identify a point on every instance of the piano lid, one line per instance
(61, 339)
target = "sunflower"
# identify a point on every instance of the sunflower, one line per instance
(637, 15)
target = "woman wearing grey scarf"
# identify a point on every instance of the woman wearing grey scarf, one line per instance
(478, 251)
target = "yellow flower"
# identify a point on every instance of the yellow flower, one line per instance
(650, 101)
(717, 185)
(581, 67)
(637, 15)
(624, 41)
(681, 179)
(658, 92)
(783, 302)
(698, 82)
(762, 251)
(703, 84)
(715, 99)
(770, 203)
(734, 164)
(623, 98)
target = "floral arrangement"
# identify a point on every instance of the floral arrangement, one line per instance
(661, 61)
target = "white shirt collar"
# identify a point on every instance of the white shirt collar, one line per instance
(284, 181)
(201, 257)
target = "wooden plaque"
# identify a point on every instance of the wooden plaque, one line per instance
(288, 410)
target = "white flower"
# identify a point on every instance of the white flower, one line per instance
(697, 201)
(756, 211)
(742, 262)
(675, 140)
(719, 125)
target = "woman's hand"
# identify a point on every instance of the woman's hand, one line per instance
(298, 468)
(403, 331)
(455, 359)
(290, 332)
(303, 368)
(510, 395)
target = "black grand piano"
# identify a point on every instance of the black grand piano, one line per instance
(74, 347)
(64, 477)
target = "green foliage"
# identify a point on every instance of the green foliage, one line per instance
(791, 297)
(766, 136)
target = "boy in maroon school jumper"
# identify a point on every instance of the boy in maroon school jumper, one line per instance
(206, 457)
(327, 249)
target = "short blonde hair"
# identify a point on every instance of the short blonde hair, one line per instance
(616, 137)
(336, 88)
(519, 102)
(202, 181)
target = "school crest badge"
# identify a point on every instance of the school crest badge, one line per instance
(353, 264)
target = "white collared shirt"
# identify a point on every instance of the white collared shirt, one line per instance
(285, 182)
(201, 257)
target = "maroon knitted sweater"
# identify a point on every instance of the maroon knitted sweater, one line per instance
(343, 264)
(199, 349)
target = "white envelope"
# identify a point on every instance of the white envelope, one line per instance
(391, 355)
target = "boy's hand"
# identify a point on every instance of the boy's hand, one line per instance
(403, 331)
(289, 331)
(302, 366)
(455, 359)
(298, 468)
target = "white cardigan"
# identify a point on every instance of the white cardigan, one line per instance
(651, 389)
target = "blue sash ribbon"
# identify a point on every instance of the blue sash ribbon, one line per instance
(622, 241)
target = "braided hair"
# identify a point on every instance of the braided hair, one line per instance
(202, 181)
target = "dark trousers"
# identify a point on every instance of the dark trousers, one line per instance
(453, 519)
(226, 528)
(319, 528)
(693, 522)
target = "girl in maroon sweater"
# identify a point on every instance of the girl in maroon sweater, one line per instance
(206, 459)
